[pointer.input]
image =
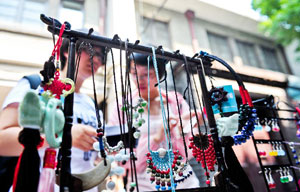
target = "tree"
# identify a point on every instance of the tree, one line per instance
(282, 19)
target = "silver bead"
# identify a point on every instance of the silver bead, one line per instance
(110, 185)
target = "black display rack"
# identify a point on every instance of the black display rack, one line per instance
(267, 106)
(54, 26)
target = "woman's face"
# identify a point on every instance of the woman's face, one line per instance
(142, 74)
(85, 69)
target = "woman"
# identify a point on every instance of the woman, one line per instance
(157, 136)
(84, 119)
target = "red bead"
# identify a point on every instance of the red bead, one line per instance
(207, 182)
(154, 167)
(148, 154)
(168, 171)
(175, 152)
(152, 178)
(173, 166)
(180, 174)
(206, 173)
(191, 138)
(157, 182)
(100, 134)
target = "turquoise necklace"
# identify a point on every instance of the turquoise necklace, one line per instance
(162, 164)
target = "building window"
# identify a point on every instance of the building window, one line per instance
(271, 59)
(25, 12)
(248, 54)
(219, 46)
(72, 12)
(155, 32)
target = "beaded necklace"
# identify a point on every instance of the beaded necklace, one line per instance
(248, 116)
(201, 144)
(161, 163)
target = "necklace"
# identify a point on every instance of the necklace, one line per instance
(162, 164)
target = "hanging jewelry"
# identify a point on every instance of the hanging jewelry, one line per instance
(207, 164)
(272, 184)
(161, 163)
(262, 153)
(207, 148)
(273, 151)
(267, 126)
(290, 177)
(295, 156)
(138, 111)
(258, 126)
(275, 126)
(247, 120)
(281, 152)
(283, 178)
(157, 165)
(186, 170)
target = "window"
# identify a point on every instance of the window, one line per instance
(155, 32)
(247, 53)
(219, 46)
(271, 59)
(72, 12)
(25, 12)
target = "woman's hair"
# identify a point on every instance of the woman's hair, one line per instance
(142, 60)
(65, 46)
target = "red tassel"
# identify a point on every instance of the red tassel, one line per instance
(16, 172)
(248, 98)
(27, 172)
(242, 95)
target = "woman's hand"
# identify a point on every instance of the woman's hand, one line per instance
(83, 136)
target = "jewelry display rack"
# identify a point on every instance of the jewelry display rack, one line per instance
(268, 105)
(54, 27)
(66, 180)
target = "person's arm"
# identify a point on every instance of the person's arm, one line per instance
(9, 131)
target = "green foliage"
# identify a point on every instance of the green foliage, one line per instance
(282, 19)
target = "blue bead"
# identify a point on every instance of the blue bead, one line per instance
(297, 162)
(175, 185)
(295, 156)
(163, 188)
(293, 151)
(157, 187)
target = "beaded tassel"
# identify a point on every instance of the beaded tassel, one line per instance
(158, 167)
(247, 121)
(199, 152)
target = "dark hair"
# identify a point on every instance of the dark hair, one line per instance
(65, 46)
(142, 59)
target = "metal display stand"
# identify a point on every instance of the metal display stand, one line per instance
(73, 36)
(269, 105)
